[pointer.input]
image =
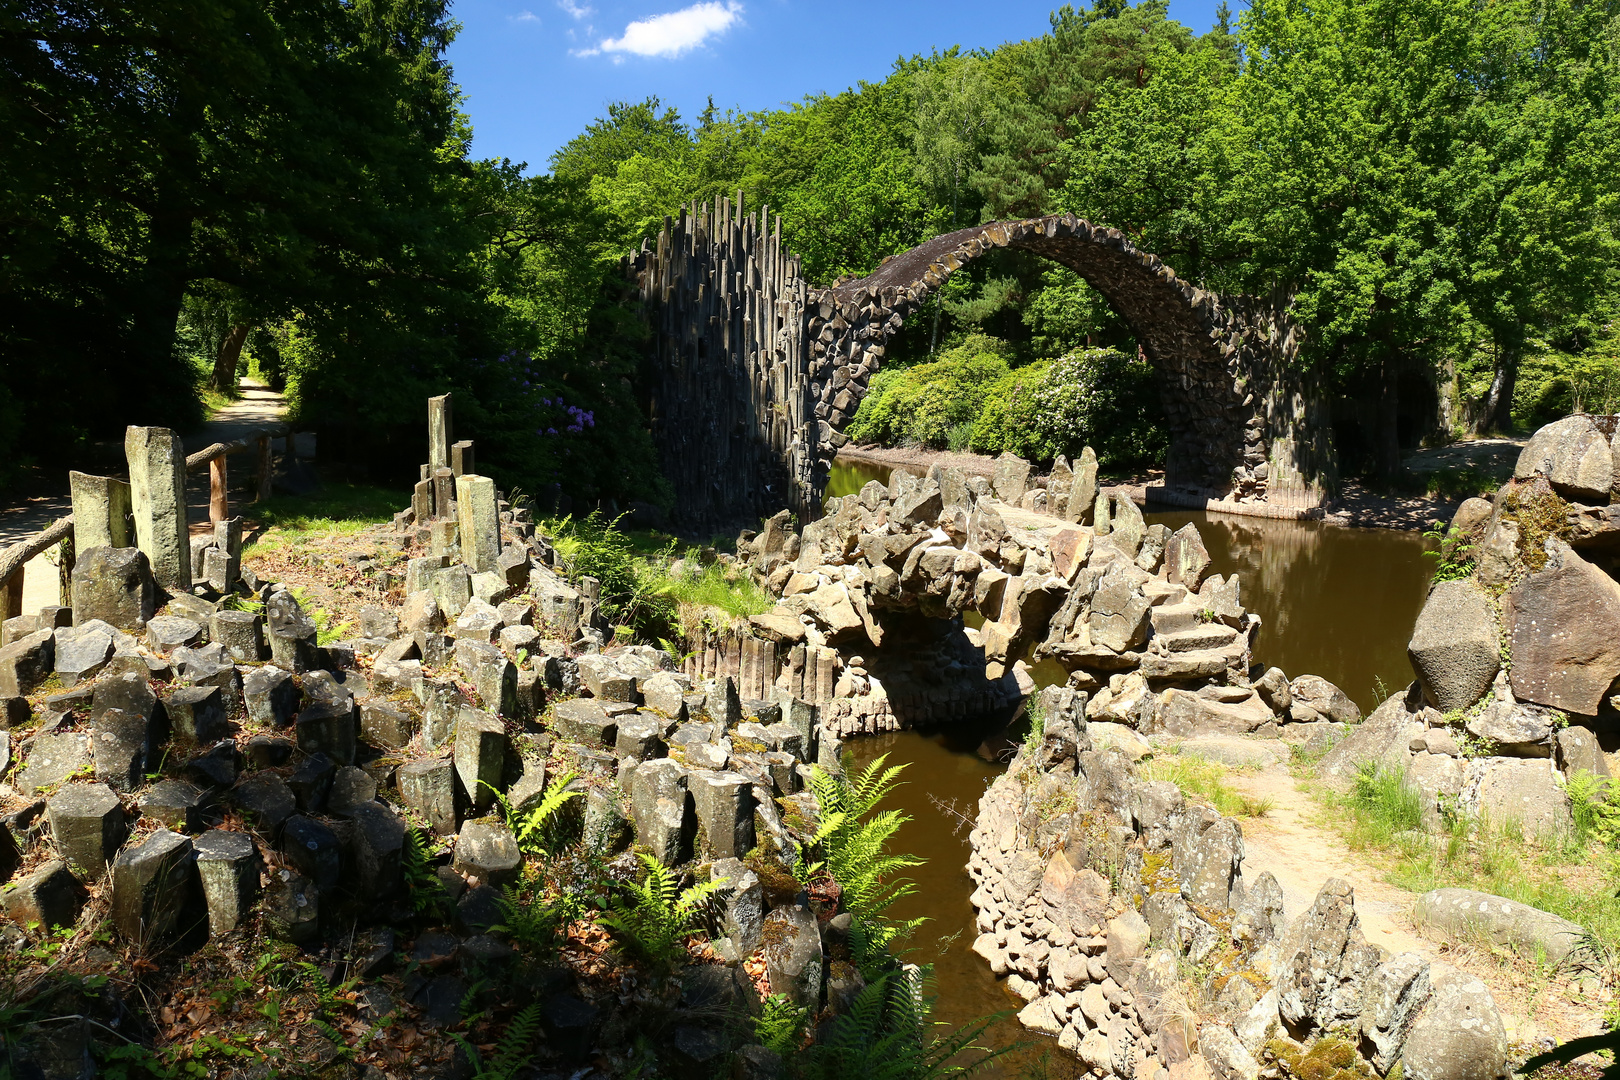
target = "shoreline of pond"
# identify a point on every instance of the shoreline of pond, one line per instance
(1355, 507)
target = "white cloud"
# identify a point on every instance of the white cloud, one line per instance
(527, 16)
(676, 32)
(573, 10)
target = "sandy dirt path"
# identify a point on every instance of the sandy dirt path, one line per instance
(1301, 852)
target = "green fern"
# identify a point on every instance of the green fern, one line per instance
(653, 916)
(855, 841)
(780, 1024)
(421, 883)
(885, 1036)
(539, 831)
(534, 924)
(1596, 814)
(511, 1053)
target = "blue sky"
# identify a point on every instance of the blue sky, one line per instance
(535, 72)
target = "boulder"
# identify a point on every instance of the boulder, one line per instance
(1516, 730)
(1454, 648)
(1578, 751)
(26, 663)
(114, 585)
(228, 866)
(1531, 932)
(271, 696)
(1206, 851)
(1186, 559)
(1396, 994)
(428, 786)
(1563, 627)
(80, 652)
(1573, 455)
(54, 757)
(1011, 478)
(314, 849)
(1524, 790)
(265, 801)
(1324, 962)
(48, 897)
(480, 756)
(1183, 713)
(793, 956)
(1459, 1035)
(1315, 692)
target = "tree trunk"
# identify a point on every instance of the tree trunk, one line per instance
(226, 359)
(1499, 399)
(1386, 428)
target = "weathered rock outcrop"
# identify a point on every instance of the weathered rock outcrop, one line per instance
(1100, 969)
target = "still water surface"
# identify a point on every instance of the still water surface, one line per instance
(1334, 602)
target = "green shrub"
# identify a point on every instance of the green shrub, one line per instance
(924, 403)
(1093, 397)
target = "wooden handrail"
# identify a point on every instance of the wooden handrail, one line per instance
(13, 557)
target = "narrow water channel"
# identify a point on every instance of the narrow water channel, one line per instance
(1334, 602)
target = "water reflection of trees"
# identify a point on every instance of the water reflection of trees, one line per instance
(1334, 602)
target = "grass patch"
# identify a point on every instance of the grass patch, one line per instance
(715, 587)
(1575, 875)
(336, 508)
(1204, 781)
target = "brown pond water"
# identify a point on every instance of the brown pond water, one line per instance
(1334, 602)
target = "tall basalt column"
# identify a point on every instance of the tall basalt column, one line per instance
(480, 522)
(157, 483)
(101, 509)
(439, 423)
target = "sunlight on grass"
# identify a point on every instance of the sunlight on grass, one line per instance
(1572, 874)
(1203, 780)
(337, 508)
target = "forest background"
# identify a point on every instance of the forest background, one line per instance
(200, 186)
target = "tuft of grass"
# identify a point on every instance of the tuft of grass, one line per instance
(1205, 780)
(335, 508)
(716, 587)
(1575, 875)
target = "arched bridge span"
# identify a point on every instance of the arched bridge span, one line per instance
(752, 375)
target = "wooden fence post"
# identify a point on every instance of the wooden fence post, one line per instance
(264, 467)
(11, 594)
(219, 497)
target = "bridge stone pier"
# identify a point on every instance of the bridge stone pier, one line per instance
(753, 374)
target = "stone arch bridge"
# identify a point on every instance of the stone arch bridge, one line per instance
(752, 374)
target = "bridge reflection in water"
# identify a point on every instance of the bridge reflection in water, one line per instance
(1335, 602)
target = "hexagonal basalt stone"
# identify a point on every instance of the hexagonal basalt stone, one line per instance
(241, 633)
(114, 585)
(228, 865)
(26, 663)
(54, 757)
(271, 696)
(351, 788)
(311, 783)
(428, 786)
(49, 897)
(379, 849)
(121, 745)
(153, 885)
(480, 756)
(196, 714)
(292, 908)
(175, 803)
(314, 850)
(328, 727)
(265, 801)
(488, 852)
(89, 826)
(81, 652)
(166, 633)
(585, 722)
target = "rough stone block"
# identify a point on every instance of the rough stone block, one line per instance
(314, 850)
(330, 728)
(351, 789)
(196, 714)
(268, 751)
(121, 746)
(265, 801)
(292, 908)
(241, 633)
(480, 522)
(480, 756)
(101, 511)
(217, 767)
(165, 633)
(428, 786)
(452, 589)
(54, 757)
(488, 852)
(272, 696)
(793, 955)
(113, 585)
(79, 653)
(384, 723)
(661, 808)
(1563, 627)
(742, 905)
(26, 663)
(228, 865)
(176, 803)
(724, 803)
(157, 481)
(1455, 648)
(585, 722)
(153, 885)
(49, 897)
(311, 782)
(379, 850)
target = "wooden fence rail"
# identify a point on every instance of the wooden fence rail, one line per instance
(13, 558)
